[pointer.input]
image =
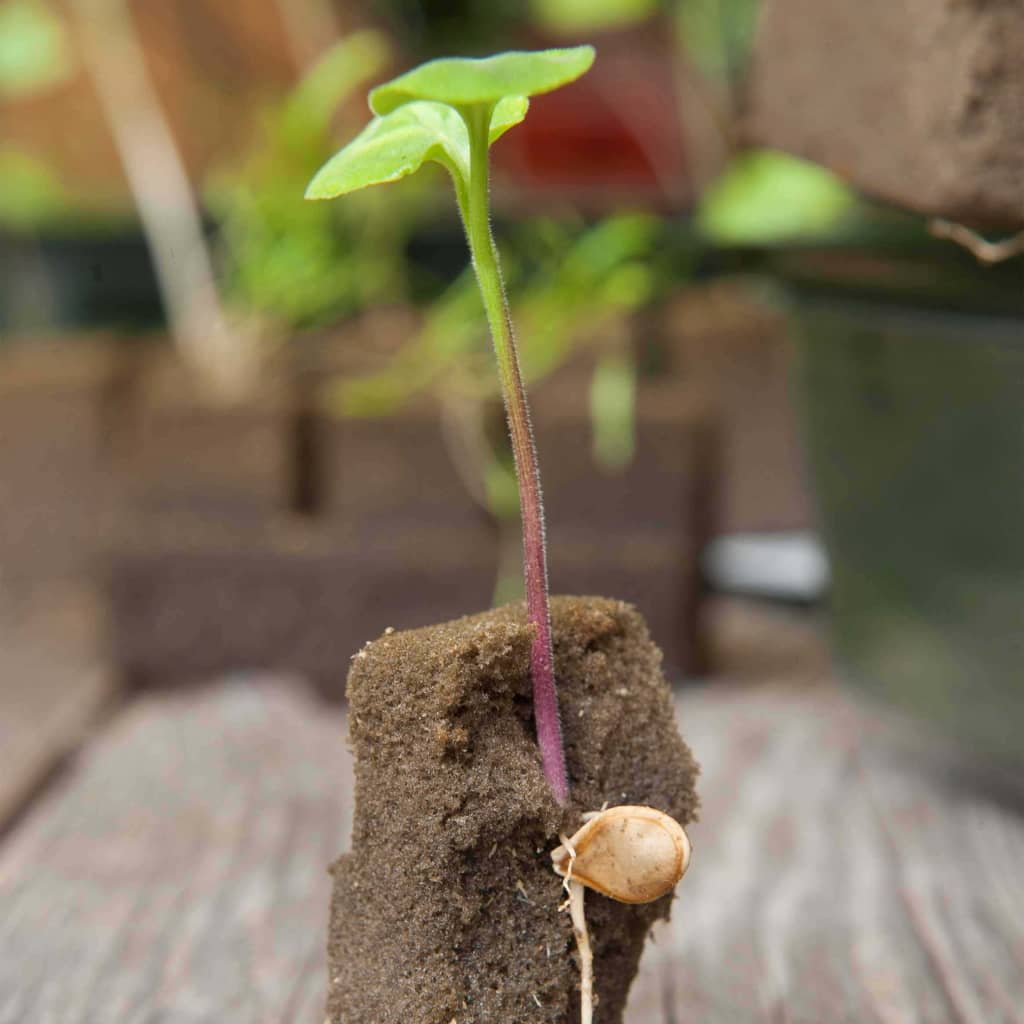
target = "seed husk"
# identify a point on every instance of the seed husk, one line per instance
(632, 854)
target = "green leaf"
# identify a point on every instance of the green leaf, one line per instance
(462, 81)
(418, 121)
(507, 114)
(717, 35)
(400, 143)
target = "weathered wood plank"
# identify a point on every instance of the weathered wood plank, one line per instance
(177, 875)
(840, 874)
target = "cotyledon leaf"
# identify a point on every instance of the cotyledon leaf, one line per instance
(463, 81)
(400, 142)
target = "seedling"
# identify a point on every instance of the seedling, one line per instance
(450, 111)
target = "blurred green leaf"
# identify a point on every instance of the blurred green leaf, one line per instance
(462, 81)
(308, 111)
(34, 52)
(717, 34)
(580, 16)
(399, 143)
(613, 411)
(577, 281)
(502, 489)
(454, 329)
(31, 193)
(765, 197)
(607, 244)
(302, 263)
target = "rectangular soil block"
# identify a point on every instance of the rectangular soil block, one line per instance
(920, 102)
(447, 907)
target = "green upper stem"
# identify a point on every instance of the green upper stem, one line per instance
(475, 208)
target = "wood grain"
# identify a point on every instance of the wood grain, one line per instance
(839, 874)
(844, 870)
(178, 875)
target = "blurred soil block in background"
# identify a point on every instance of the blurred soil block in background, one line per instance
(250, 541)
(268, 534)
(385, 476)
(181, 451)
(299, 598)
(633, 531)
(222, 569)
(729, 346)
(56, 500)
(920, 102)
(57, 511)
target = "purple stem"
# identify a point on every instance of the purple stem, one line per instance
(488, 272)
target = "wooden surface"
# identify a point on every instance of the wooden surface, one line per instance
(176, 874)
(839, 874)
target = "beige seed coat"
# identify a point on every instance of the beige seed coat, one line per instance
(632, 854)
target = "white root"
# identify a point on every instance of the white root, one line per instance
(579, 929)
(577, 913)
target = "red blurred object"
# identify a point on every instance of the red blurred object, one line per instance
(615, 135)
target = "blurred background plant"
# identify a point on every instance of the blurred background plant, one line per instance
(301, 264)
(173, 210)
(278, 260)
(570, 280)
(34, 56)
(34, 50)
(575, 287)
(152, 227)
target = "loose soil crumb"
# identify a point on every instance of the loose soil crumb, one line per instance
(446, 909)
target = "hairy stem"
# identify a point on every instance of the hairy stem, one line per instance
(475, 207)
